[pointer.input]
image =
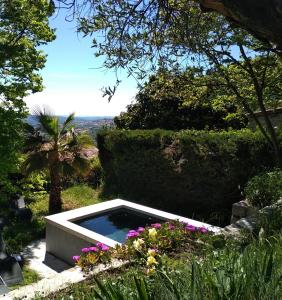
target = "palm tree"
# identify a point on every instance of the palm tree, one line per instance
(59, 149)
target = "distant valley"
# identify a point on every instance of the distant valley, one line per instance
(90, 123)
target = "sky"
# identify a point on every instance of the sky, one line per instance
(73, 77)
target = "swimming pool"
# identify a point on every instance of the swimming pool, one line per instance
(116, 223)
(108, 222)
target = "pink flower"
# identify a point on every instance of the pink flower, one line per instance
(132, 233)
(190, 228)
(102, 246)
(140, 229)
(105, 248)
(76, 257)
(156, 225)
(203, 230)
(85, 250)
(94, 249)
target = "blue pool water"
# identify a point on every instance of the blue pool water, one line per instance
(116, 223)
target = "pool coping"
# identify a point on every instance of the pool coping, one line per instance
(64, 220)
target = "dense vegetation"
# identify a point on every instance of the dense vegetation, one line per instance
(189, 172)
(150, 36)
(24, 26)
(187, 100)
(264, 189)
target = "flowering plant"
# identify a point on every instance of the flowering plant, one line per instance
(90, 256)
(146, 246)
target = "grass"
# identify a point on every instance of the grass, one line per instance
(29, 275)
(78, 196)
(73, 197)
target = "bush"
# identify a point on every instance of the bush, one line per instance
(34, 186)
(264, 189)
(187, 172)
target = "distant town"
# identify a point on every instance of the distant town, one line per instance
(91, 123)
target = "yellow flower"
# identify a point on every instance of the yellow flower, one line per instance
(152, 252)
(152, 233)
(151, 261)
(150, 271)
(137, 244)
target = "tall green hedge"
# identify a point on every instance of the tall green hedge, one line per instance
(187, 172)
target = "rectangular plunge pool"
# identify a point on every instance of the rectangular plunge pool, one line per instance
(116, 223)
(108, 223)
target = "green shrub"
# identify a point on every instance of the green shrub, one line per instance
(34, 186)
(187, 172)
(264, 189)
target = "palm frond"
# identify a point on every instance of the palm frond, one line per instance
(47, 121)
(67, 123)
(81, 165)
(77, 141)
(67, 169)
(32, 142)
(35, 161)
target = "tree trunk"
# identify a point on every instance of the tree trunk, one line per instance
(263, 18)
(55, 201)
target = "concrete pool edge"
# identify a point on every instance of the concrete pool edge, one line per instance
(65, 239)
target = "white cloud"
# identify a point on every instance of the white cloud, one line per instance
(83, 103)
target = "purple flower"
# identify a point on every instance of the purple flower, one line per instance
(156, 225)
(85, 250)
(190, 228)
(76, 257)
(203, 230)
(94, 249)
(132, 233)
(140, 229)
(102, 246)
(105, 248)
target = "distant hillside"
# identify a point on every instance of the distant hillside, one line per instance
(91, 123)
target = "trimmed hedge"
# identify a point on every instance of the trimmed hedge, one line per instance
(188, 172)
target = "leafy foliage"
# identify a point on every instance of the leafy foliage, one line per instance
(186, 172)
(174, 101)
(144, 36)
(264, 189)
(23, 27)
